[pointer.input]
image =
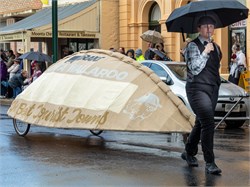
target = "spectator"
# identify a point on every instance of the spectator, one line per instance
(67, 51)
(121, 50)
(14, 69)
(17, 81)
(160, 47)
(3, 55)
(21, 61)
(11, 57)
(4, 77)
(183, 50)
(149, 55)
(112, 49)
(36, 72)
(157, 57)
(138, 55)
(238, 64)
(131, 53)
(233, 74)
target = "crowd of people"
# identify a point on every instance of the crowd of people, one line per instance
(154, 52)
(13, 77)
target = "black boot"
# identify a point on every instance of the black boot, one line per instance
(212, 168)
(191, 160)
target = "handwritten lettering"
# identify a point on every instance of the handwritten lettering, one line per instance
(83, 118)
(52, 116)
(60, 114)
(25, 110)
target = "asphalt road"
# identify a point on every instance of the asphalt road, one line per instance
(60, 157)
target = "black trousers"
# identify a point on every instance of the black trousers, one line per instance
(203, 99)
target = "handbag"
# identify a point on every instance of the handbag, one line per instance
(241, 68)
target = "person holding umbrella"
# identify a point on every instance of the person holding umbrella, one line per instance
(203, 81)
(203, 62)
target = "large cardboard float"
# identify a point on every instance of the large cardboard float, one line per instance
(101, 90)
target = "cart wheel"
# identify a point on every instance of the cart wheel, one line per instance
(96, 132)
(20, 127)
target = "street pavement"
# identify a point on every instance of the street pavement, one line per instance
(61, 157)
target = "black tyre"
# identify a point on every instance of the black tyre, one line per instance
(96, 132)
(21, 127)
(234, 124)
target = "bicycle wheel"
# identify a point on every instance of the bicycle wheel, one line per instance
(96, 132)
(21, 127)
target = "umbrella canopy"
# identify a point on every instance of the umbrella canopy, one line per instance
(102, 90)
(224, 12)
(36, 56)
(152, 36)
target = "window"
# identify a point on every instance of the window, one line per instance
(154, 17)
(162, 74)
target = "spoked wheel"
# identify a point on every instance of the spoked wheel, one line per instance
(96, 132)
(21, 127)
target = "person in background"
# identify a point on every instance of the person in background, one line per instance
(112, 49)
(160, 47)
(3, 55)
(10, 55)
(121, 50)
(67, 51)
(36, 72)
(183, 50)
(4, 76)
(238, 64)
(17, 81)
(21, 62)
(233, 72)
(157, 57)
(14, 69)
(203, 82)
(131, 53)
(149, 55)
(241, 58)
(138, 55)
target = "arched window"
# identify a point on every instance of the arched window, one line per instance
(154, 17)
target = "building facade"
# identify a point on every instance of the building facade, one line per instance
(138, 16)
(112, 24)
(14, 11)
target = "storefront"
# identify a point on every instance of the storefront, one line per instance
(79, 28)
(112, 24)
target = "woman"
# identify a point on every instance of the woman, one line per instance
(238, 64)
(131, 53)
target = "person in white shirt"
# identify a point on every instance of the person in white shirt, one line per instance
(14, 69)
(238, 64)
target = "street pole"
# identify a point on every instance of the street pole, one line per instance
(54, 31)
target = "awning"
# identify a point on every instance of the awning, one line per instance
(44, 17)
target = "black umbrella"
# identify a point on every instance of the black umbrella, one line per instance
(224, 12)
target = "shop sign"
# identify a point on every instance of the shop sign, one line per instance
(63, 34)
(18, 36)
(239, 24)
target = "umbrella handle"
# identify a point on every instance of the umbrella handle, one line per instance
(209, 36)
(182, 32)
